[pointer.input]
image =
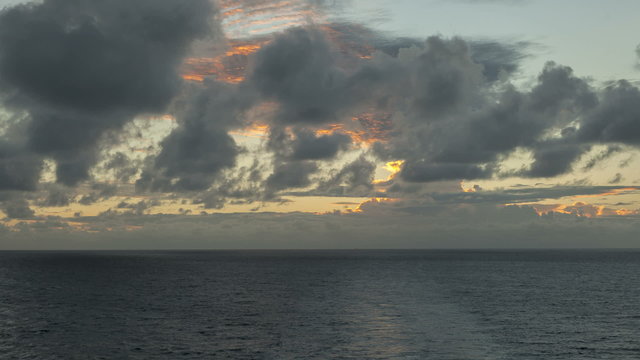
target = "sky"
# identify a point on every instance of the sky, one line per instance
(306, 124)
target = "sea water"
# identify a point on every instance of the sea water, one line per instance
(411, 304)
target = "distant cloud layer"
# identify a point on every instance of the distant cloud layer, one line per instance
(481, 227)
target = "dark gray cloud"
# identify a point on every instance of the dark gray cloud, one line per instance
(422, 171)
(499, 59)
(308, 146)
(467, 139)
(559, 90)
(617, 117)
(353, 179)
(450, 119)
(17, 208)
(433, 80)
(299, 70)
(291, 175)
(138, 208)
(444, 78)
(195, 153)
(82, 68)
(243, 185)
(94, 55)
(122, 167)
(305, 74)
(467, 128)
(212, 200)
(354, 175)
(617, 179)
(553, 159)
(601, 156)
(56, 196)
(19, 168)
(99, 192)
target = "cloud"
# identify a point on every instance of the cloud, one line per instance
(438, 94)
(19, 168)
(474, 227)
(319, 93)
(298, 69)
(83, 68)
(426, 172)
(354, 179)
(57, 196)
(17, 208)
(140, 207)
(499, 59)
(584, 210)
(603, 155)
(100, 191)
(459, 126)
(192, 155)
(617, 179)
(291, 175)
(553, 159)
(617, 117)
(307, 146)
(467, 137)
(527, 194)
(122, 166)
(195, 152)
(242, 185)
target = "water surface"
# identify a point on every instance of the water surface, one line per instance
(320, 304)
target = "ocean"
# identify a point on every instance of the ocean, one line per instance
(409, 304)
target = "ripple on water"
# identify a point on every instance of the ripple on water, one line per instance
(348, 304)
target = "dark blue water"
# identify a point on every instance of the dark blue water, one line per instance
(320, 304)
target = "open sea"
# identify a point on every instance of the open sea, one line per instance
(413, 304)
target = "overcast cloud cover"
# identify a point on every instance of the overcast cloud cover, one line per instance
(334, 100)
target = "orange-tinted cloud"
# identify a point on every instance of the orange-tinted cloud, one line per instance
(245, 47)
(474, 188)
(229, 67)
(582, 209)
(247, 24)
(377, 126)
(254, 130)
(373, 128)
(394, 167)
(373, 204)
(609, 193)
(196, 69)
